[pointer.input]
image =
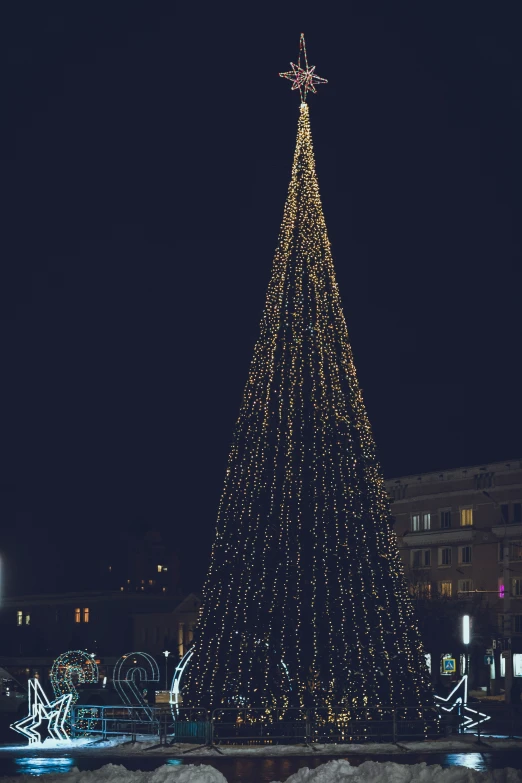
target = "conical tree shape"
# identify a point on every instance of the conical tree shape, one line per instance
(305, 600)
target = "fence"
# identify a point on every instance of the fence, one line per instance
(250, 726)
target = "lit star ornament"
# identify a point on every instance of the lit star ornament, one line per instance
(40, 708)
(303, 79)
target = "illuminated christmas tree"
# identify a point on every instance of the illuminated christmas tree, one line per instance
(305, 600)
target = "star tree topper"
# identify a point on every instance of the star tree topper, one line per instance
(303, 79)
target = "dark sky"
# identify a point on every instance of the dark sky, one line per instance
(145, 155)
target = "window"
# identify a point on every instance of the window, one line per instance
(465, 586)
(516, 590)
(445, 556)
(420, 590)
(28, 619)
(86, 615)
(77, 615)
(515, 550)
(19, 618)
(159, 569)
(466, 517)
(517, 623)
(500, 620)
(445, 589)
(421, 558)
(415, 522)
(504, 513)
(426, 521)
(464, 555)
(152, 582)
(517, 512)
(517, 664)
(427, 658)
(445, 519)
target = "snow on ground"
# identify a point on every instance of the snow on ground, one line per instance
(339, 771)
(123, 747)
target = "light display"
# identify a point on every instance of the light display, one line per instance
(303, 79)
(70, 669)
(175, 689)
(458, 700)
(305, 567)
(40, 709)
(130, 668)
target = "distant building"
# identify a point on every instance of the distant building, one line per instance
(460, 536)
(34, 629)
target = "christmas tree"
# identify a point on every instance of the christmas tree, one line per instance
(305, 600)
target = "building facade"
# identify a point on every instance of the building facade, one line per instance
(35, 629)
(460, 537)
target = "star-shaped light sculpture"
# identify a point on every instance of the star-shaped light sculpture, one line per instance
(471, 717)
(40, 708)
(303, 79)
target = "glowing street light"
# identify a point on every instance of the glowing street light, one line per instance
(465, 629)
(166, 653)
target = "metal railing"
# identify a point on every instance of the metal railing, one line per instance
(256, 726)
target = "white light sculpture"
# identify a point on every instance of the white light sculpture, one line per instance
(126, 685)
(175, 692)
(471, 717)
(40, 708)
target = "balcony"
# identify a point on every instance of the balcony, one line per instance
(432, 537)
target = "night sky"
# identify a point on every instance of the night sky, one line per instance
(146, 151)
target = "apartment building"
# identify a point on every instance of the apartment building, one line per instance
(460, 536)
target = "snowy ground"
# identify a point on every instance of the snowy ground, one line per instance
(118, 747)
(339, 771)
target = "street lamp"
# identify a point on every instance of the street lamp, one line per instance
(166, 653)
(465, 629)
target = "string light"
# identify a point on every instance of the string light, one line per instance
(69, 670)
(305, 566)
(303, 79)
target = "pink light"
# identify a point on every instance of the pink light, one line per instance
(501, 591)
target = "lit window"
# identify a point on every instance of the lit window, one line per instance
(445, 589)
(152, 582)
(421, 590)
(121, 588)
(466, 517)
(502, 666)
(86, 615)
(77, 615)
(516, 590)
(445, 519)
(517, 664)
(465, 586)
(19, 618)
(160, 569)
(426, 521)
(427, 658)
(28, 619)
(464, 555)
(445, 556)
(415, 522)
(164, 589)
(164, 568)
